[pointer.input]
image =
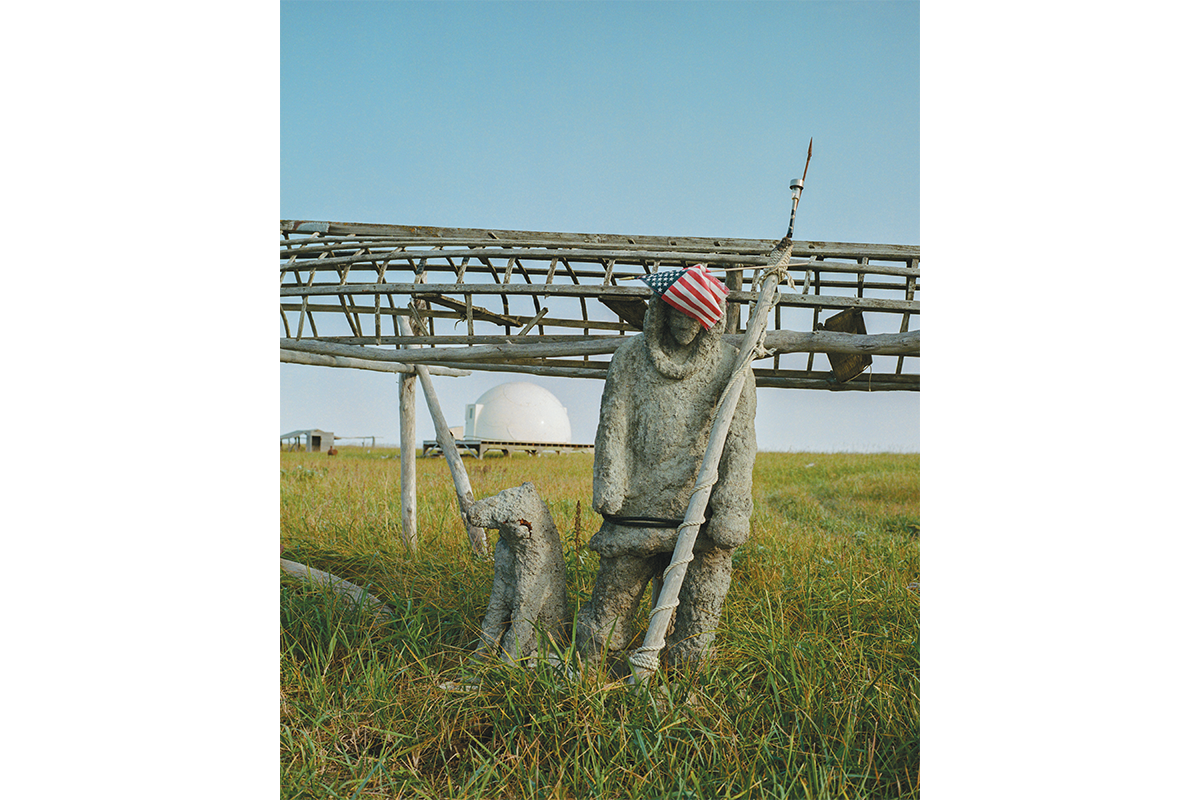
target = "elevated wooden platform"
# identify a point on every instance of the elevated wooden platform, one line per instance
(558, 304)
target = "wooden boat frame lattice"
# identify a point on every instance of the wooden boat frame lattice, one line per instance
(558, 304)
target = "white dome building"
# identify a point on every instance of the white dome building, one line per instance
(518, 412)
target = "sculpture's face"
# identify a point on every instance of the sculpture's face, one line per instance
(683, 328)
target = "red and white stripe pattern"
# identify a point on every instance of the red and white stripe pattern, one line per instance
(694, 291)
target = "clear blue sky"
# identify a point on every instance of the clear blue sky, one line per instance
(649, 118)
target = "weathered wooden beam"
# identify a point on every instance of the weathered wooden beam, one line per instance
(483, 352)
(591, 290)
(467, 311)
(781, 341)
(765, 378)
(826, 375)
(884, 344)
(715, 261)
(439, 341)
(577, 369)
(534, 320)
(447, 236)
(287, 356)
(547, 254)
(541, 321)
(854, 282)
(859, 384)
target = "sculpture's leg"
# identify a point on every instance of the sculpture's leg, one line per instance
(518, 642)
(554, 618)
(499, 612)
(700, 599)
(655, 587)
(607, 620)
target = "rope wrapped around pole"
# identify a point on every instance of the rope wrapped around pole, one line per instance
(644, 661)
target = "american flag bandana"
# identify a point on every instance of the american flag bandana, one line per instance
(694, 291)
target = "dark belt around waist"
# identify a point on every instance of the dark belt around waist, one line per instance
(643, 522)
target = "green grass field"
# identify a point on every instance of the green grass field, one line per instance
(812, 690)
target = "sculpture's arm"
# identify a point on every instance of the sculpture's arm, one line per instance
(732, 499)
(610, 473)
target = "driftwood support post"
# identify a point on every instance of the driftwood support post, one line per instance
(458, 473)
(408, 460)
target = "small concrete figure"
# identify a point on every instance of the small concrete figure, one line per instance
(660, 398)
(529, 586)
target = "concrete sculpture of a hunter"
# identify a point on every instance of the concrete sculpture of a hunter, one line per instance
(660, 398)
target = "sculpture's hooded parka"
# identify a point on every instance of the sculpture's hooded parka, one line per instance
(658, 407)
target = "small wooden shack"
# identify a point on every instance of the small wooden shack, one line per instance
(307, 441)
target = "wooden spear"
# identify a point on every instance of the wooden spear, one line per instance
(797, 189)
(644, 662)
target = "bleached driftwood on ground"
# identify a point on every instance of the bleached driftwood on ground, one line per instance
(345, 590)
